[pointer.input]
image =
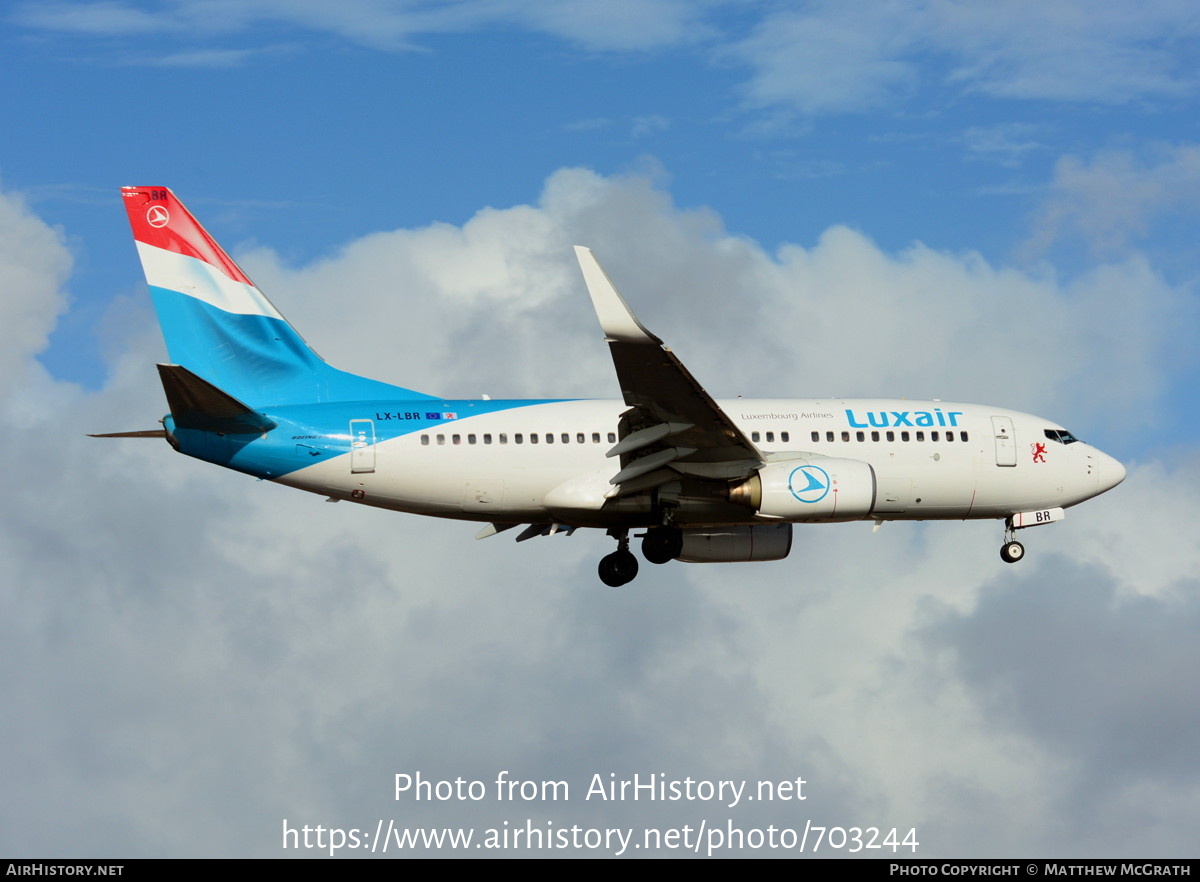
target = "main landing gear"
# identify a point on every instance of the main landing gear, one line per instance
(1012, 550)
(662, 544)
(620, 567)
(659, 545)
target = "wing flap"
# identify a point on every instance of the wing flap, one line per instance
(647, 436)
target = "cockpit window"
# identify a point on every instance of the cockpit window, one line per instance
(1062, 436)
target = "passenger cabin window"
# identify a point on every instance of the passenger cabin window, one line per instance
(771, 437)
(904, 436)
(920, 436)
(441, 439)
(861, 436)
(816, 436)
(783, 436)
(579, 438)
(612, 437)
(595, 437)
(845, 436)
(503, 437)
(829, 436)
(519, 438)
(487, 438)
(754, 437)
(425, 440)
(471, 439)
(874, 436)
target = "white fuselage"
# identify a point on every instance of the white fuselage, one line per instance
(546, 461)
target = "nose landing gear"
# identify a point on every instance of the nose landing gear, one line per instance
(1012, 550)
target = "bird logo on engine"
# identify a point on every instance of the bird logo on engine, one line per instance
(809, 483)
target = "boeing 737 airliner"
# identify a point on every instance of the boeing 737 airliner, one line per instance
(706, 480)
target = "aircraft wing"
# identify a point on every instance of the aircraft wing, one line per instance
(673, 427)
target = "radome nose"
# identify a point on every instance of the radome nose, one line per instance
(1110, 472)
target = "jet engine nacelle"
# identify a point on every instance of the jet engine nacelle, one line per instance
(736, 544)
(810, 490)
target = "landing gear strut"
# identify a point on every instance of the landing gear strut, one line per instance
(1012, 550)
(620, 567)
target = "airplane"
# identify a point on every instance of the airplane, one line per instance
(706, 480)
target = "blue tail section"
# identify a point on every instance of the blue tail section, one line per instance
(219, 326)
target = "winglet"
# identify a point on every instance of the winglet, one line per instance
(616, 318)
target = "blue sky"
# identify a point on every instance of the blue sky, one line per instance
(993, 203)
(936, 123)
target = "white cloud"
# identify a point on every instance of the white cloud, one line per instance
(614, 24)
(385, 24)
(205, 58)
(830, 57)
(821, 57)
(1068, 50)
(648, 125)
(202, 656)
(1144, 555)
(102, 18)
(1008, 143)
(34, 265)
(1116, 197)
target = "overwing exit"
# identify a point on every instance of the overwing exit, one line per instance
(705, 480)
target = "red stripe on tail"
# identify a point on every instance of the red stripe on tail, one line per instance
(159, 219)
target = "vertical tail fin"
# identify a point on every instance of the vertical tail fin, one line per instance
(219, 325)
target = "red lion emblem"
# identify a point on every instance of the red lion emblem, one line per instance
(1039, 452)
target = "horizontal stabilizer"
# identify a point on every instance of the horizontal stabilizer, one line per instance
(145, 433)
(198, 404)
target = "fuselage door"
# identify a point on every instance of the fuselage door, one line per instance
(1006, 441)
(362, 446)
